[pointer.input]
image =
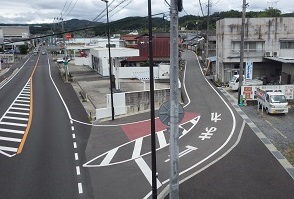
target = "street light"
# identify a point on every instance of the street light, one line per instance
(109, 55)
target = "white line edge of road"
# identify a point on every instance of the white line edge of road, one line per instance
(64, 104)
(78, 172)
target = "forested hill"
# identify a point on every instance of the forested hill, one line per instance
(160, 24)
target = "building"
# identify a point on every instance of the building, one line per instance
(99, 58)
(268, 44)
(11, 35)
(161, 50)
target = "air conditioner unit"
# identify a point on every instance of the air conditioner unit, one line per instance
(276, 54)
(268, 54)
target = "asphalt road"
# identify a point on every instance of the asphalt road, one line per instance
(119, 155)
(49, 166)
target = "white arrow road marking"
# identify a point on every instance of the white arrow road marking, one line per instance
(186, 151)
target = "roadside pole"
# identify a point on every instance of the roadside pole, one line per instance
(152, 105)
(242, 52)
(174, 100)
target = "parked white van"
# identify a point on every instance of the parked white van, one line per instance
(274, 102)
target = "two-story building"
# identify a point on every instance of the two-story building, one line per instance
(268, 44)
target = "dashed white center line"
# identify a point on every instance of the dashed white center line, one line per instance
(80, 187)
(72, 128)
(75, 145)
(78, 170)
(74, 136)
(76, 156)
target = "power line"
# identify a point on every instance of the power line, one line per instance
(71, 8)
(64, 6)
(128, 3)
(201, 8)
(67, 7)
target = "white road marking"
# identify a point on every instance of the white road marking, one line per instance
(13, 124)
(137, 148)
(194, 121)
(24, 94)
(12, 131)
(17, 113)
(78, 170)
(10, 139)
(73, 136)
(186, 151)
(76, 156)
(72, 128)
(16, 118)
(146, 171)
(161, 139)
(80, 187)
(19, 97)
(26, 101)
(184, 130)
(75, 145)
(22, 109)
(109, 157)
(11, 149)
(18, 104)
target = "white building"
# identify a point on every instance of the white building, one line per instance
(269, 44)
(100, 57)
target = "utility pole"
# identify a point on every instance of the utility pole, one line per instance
(110, 64)
(64, 50)
(242, 50)
(175, 7)
(207, 28)
(152, 105)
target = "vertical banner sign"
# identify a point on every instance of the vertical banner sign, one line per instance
(249, 70)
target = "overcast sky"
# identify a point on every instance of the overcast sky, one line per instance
(45, 11)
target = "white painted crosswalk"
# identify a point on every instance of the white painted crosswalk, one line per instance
(14, 122)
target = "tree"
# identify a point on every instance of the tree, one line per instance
(271, 12)
(23, 49)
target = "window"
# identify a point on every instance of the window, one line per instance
(249, 46)
(287, 44)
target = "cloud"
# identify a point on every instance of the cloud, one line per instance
(40, 11)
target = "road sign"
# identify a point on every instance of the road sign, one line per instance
(249, 70)
(164, 113)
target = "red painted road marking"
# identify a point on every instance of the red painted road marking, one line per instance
(140, 129)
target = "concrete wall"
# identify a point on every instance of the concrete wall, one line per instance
(160, 72)
(82, 61)
(132, 102)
